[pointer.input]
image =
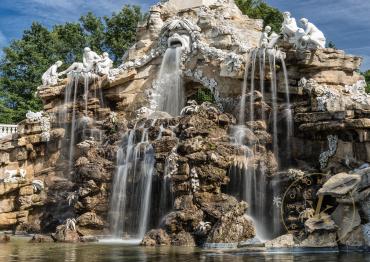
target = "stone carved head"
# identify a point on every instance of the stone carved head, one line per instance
(304, 21)
(177, 40)
(287, 15)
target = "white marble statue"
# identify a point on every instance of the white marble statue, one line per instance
(268, 40)
(104, 65)
(314, 37)
(289, 27)
(89, 61)
(50, 77)
(265, 37)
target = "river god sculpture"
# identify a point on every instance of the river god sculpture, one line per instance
(289, 26)
(89, 62)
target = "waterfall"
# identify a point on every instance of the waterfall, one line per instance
(262, 60)
(130, 200)
(251, 110)
(170, 96)
(86, 91)
(247, 183)
(289, 115)
(272, 63)
(70, 99)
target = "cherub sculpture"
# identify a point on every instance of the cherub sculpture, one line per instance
(268, 40)
(265, 37)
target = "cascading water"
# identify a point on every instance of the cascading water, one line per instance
(132, 186)
(255, 185)
(130, 200)
(70, 102)
(288, 112)
(272, 64)
(170, 96)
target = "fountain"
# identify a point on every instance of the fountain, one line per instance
(167, 175)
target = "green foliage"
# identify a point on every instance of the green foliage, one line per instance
(203, 95)
(25, 60)
(258, 9)
(367, 78)
(121, 30)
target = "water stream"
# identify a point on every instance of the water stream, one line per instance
(132, 186)
(170, 95)
(254, 182)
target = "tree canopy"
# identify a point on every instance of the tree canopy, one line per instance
(258, 9)
(26, 59)
(367, 78)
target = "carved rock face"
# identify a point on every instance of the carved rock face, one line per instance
(177, 40)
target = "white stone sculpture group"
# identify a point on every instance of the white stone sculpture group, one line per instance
(308, 37)
(91, 63)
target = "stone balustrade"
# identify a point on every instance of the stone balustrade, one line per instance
(6, 130)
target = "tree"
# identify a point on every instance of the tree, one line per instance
(121, 30)
(258, 9)
(367, 79)
(25, 60)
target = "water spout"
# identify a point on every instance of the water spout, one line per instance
(170, 95)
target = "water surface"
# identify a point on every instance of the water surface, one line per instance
(20, 250)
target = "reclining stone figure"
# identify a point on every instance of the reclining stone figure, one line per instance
(289, 26)
(89, 62)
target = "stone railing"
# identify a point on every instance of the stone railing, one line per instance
(6, 130)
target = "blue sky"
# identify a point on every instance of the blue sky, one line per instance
(345, 22)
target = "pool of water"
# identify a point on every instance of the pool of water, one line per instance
(20, 250)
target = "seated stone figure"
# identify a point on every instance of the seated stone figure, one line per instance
(314, 38)
(50, 77)
(104, 65)
(289, 26)
(89, 61)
